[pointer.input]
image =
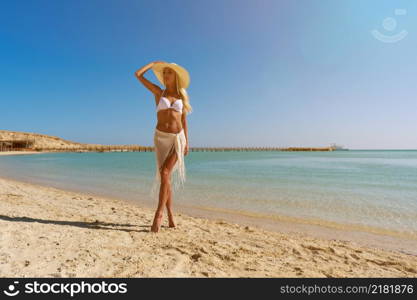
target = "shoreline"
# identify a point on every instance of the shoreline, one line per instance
(4, 153)
(379, 238)
(50, 232)
(330, 231)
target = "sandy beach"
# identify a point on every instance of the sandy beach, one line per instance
(49, 232)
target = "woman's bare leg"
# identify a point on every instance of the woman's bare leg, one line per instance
(171, 222)
(164, 190)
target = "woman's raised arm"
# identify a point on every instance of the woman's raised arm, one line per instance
(156, 90)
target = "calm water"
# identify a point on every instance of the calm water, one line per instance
(373, 188)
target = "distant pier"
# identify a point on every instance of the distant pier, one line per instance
(24, 141)
(118, 148)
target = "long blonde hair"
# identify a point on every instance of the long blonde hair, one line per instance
(184, 95)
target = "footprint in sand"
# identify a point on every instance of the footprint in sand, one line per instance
(177, 266)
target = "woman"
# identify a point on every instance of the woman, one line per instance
(171, 132)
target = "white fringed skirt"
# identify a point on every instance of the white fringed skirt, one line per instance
(165, 143)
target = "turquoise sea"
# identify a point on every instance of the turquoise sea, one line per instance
(375, 188)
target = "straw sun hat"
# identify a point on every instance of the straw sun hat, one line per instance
(182, 73)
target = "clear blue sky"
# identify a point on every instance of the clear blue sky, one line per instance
(263, 73)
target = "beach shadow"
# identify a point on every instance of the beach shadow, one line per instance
(89, 225)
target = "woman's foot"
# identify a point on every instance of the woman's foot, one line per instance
(171, 222)
(156, 222)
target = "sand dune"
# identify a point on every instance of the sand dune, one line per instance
(47, 232)
(42, 141)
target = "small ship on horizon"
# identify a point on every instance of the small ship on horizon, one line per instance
(336, 147)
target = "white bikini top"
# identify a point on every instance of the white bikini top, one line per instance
(164, 103)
